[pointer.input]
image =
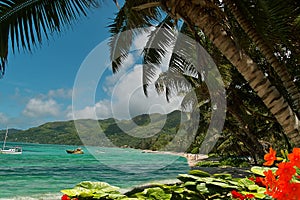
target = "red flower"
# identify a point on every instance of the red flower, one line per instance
(270, 182)
(285, 171)
(294, 157)
(65, 197)
(237, 195)
(270, 157)
(258, 181)
(294, 191)
(249, 196)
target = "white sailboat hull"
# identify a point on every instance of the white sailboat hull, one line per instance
(10, 151)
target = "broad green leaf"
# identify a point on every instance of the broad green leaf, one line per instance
(223, 185)
(253, 187)
(97, 185)
(245, 182)
(261, 190)
(225, 176)
(189, 183)
(116, 196)
(157, 194)
(257, 195)
(233, 182)
(199, 173)
(202, 188)
(76, 191)
(187, 177)
(260, 170)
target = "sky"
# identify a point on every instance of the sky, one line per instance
(69, 77)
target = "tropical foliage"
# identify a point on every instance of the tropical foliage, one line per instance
(279, 183)
(64, 132)
(253, 44)
(27, 23)
(254, 54)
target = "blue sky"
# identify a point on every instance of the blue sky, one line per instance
(38, 87)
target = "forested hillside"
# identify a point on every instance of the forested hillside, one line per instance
(64, 132)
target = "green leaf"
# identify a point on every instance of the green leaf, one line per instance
(199, 173)
(96, 185)
(187, 177)
(224, 176)
(157, 194)
(257, 195)
(75, 191)
(245, 182)
(202, 188)
(253, 187)
(260, 170)
(223, 185)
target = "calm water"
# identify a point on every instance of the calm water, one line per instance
(43, 170)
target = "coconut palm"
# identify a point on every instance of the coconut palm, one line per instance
(27, 23)
(267, 46)
(211, 19)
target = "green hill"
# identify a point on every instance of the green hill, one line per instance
(144, 132)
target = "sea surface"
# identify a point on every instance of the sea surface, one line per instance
(43, 170)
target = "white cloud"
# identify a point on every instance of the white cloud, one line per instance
(60, 93)
(41, 108)
(140, 41)
(3, 118)
(129, 99)
(101, 110)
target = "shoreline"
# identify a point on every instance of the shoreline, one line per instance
(192, 159)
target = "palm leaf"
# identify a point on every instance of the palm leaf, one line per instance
(127, 23)
(172, 83)
(186, 55)
(25, 22)
(158, 44)
(272, 19)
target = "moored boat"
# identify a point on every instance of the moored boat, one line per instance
(10, 150)
(75, 151)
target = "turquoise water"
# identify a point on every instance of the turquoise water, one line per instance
(43, 170)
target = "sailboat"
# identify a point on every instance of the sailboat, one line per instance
(10, 150)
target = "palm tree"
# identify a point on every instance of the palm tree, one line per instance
(26, 23)
(255, 77)
(244, 122)
(267, 46)
(212, 21)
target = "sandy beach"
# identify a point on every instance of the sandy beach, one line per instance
(192, 159)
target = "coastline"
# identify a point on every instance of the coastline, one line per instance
(192, 159)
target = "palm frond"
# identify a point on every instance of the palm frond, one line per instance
(195, 98)
(25, 22)
(271, 19)
(173, 84)
(184, 49)
(158, 44)
(125, 26)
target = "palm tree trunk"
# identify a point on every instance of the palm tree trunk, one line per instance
(267, 51)
(194, 14)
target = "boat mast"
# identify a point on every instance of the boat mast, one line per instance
(5, 137)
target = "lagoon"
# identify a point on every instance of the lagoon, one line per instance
(43, 170)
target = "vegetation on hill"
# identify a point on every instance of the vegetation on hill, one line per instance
(64, 132)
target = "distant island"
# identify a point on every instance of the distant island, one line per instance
(64, 132)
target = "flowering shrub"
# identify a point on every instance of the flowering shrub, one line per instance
(283, 184)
